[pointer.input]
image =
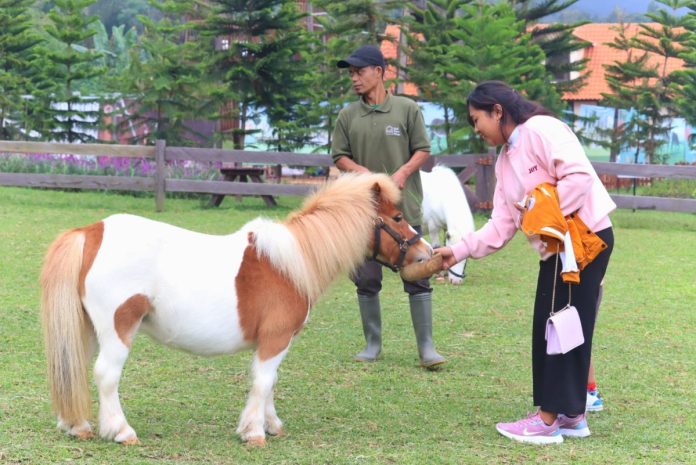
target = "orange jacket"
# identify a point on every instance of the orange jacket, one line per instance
(577, 244)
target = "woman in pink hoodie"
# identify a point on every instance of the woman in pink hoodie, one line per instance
(538, 148)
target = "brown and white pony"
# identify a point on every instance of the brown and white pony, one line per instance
(205, 294)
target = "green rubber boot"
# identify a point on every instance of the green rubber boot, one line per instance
(422, 318)
(370, 314)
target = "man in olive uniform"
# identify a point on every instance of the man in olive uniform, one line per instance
(384, 133)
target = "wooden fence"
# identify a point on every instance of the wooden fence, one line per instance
(480, 166)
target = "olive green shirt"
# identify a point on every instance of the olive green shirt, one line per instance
(382, 139)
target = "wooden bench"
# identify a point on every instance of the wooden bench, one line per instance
(242, 174)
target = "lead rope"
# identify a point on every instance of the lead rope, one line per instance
(555, 275)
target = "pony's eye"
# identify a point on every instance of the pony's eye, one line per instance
(398, 218)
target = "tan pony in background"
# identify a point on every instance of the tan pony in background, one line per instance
(205, 294)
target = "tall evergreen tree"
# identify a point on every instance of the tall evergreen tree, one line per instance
(664, 41)
(17, 44)
(256, 58)
(556, 40)
(644, 82)
(686, 78)
(291, 112)
(74, 115)
(625, 79)
(165, 84)
(430, 36)
(490, 44)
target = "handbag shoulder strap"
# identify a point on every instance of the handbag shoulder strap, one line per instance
(555, 277)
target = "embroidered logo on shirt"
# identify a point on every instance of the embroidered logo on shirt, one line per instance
(532, 169)
(392, 131)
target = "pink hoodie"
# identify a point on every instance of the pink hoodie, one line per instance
(542, 149)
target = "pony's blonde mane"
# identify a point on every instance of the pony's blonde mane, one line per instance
(329, 234)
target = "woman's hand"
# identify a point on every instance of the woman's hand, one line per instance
(448, 259)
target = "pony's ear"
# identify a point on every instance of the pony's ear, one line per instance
(251, 237)
(376, 191)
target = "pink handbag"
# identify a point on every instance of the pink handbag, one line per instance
(563, 331)
(563, 328)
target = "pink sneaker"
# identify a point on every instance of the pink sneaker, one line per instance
(575, 427)
(531, 429)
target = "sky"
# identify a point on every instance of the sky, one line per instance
(604, 7)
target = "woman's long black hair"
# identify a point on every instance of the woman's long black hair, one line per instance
(515, 107)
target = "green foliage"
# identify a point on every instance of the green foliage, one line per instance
(164, 83)
(18, 41)
(658, 106)
(431, 34)
(257, 58)
(622, 78)
(358, 22)
(556, 40)
(490, 43)
(123, 13)
(69, 66)
(686, 78)
(644, 84)
(116, 53)
(290, 108)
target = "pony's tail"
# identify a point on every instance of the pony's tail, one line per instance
(67, 329)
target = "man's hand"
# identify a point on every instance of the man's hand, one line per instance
(400, 179)
(346, 164)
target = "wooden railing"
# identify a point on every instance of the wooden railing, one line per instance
(480, 166)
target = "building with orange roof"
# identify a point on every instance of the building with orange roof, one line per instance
(599, 55)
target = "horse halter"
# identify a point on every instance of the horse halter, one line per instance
(403, 243)
(457, 275)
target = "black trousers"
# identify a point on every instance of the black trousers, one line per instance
(560, 381)
(368, 279)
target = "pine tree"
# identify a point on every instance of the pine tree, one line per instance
(17, 44)
(429, 37)
(649, 88)
(290, 111)
(556, 40)
(164, 82)
(624, 78)
(73, 115)
(686, 78)
(665, 42)
(255, 58)
(490, 44)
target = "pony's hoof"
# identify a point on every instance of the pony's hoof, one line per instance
(256, 441)
(280, 432)
(83, 435)
(127, 437)
(130, 442)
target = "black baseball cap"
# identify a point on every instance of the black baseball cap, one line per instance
(367, 55)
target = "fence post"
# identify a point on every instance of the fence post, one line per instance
(485, 180)
(160, 148)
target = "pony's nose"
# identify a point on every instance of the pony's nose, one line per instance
(425, 253)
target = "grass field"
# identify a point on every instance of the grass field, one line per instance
(185, 408)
